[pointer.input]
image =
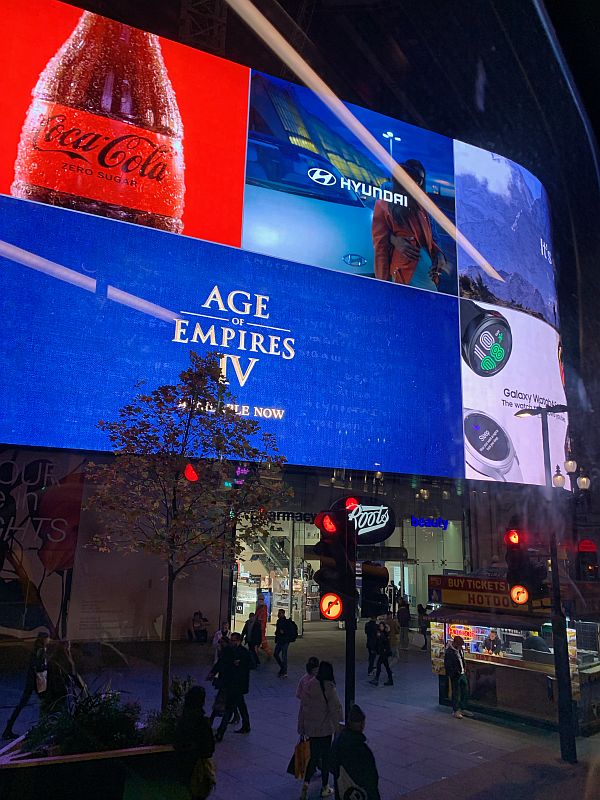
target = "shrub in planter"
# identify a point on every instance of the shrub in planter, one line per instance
(99, 722)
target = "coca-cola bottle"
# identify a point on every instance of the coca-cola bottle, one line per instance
(103, 133)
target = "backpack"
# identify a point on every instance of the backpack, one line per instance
(292, 630)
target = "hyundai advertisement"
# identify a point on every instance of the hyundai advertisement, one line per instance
(156, 199)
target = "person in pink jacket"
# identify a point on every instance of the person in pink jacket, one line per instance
(319, 719)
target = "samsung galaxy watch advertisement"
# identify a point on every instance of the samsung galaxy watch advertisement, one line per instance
(156, 199)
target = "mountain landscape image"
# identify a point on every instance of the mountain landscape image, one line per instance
(502, 210)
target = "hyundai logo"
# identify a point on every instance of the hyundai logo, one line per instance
(322, 176)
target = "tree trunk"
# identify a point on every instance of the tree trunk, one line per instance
(166, 671)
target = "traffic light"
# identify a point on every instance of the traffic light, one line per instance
(374, 598)
(190, 474)
(337, 551)
(521, 570)
(587, 561)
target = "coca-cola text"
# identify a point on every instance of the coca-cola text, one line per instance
(128, 153)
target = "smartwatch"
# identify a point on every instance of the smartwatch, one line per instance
(489, 449)
(486, 339)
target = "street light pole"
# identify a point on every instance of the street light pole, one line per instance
(562, 670)
(389, 135)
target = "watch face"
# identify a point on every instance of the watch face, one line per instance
(487, 343)
(486, 437)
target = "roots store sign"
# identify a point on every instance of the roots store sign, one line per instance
(149, 217)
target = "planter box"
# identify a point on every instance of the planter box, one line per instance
(91, 776)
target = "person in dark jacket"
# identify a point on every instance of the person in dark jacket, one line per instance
(195, 745)
(219, 708)
(493, 644)
(404, 622)
(534, 642)
(352, 762)
(384, 652)
(233, 667)
(454, 664)
(252, 635)
(36, 680)
(371, 634)
(282, 642)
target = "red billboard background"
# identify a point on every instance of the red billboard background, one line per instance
(212, 95)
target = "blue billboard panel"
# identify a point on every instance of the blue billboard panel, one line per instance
(346, 372)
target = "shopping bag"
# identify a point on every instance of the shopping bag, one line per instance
(299, 761)
(203, 779)
(41, 681)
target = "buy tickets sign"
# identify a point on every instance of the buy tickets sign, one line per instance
(460, 590)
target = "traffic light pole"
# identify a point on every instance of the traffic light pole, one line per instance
(350, 618)
(350, 683)
(566, 715)
(562, 670)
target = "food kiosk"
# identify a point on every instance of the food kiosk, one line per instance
(508, 649)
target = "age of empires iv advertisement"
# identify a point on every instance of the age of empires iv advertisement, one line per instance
(156, 199)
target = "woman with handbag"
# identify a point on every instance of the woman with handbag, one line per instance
(195, 745)
(320, 716)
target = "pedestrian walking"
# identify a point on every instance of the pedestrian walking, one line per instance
(423, 623)
(195, 745)
(404, 622)
(36, 680)
(286, 632)
(383, 654)
(312, 667)
(262, 615)
(371, 634)
(251, 634)
(223, 631)
(454, 664)
(233, 668)
(351, 761)
(394, 629)
(219, 708)
(319, 719)
(394, 597)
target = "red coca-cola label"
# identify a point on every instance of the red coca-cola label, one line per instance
(87, 155)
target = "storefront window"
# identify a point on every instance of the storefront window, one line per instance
(272, 566)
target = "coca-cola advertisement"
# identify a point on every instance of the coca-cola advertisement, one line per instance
(104, 118)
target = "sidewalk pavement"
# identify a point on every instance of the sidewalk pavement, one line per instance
(420, 749)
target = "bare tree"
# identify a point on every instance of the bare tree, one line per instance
(188, 473)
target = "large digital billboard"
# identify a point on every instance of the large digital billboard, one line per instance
(154, 198)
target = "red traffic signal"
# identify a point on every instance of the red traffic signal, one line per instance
(326, 523)
(190, 474)
(351, 503)
(514, 537)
